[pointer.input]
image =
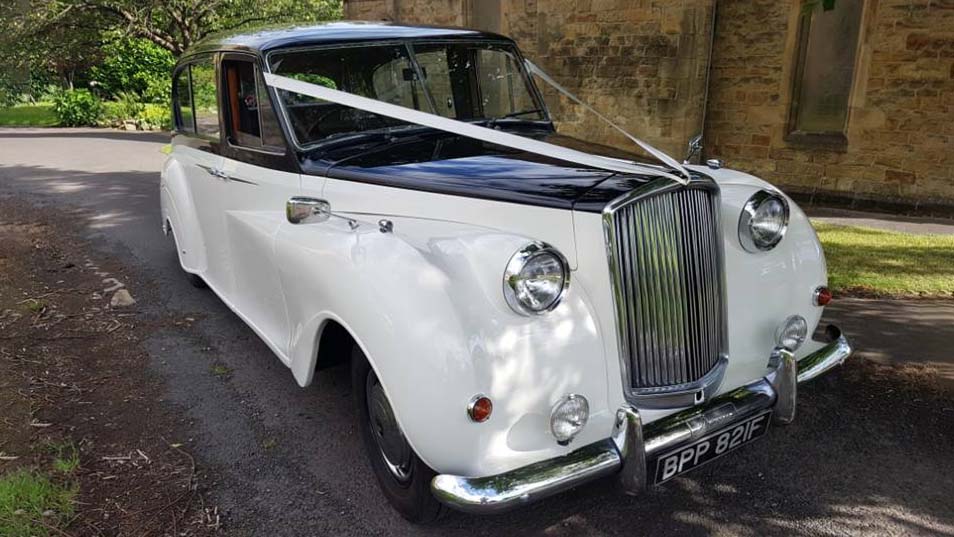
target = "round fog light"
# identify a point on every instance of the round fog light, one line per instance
(568, 417)
(792, 333)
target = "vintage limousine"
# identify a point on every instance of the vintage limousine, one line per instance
(522, 311)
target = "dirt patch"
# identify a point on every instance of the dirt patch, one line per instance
(76, 401)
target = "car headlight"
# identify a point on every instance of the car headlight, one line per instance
(536, 279)
(763, 222)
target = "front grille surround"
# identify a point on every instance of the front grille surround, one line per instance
(665, 250)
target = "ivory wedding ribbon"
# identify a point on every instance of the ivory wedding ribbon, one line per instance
(465, 129)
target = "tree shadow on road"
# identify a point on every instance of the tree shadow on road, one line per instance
(869, 454)
(110, 199)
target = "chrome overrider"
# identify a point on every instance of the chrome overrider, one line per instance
(632, 444)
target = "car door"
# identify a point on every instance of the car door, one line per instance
(200, 153)
(259, 175)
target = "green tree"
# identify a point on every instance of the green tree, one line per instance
(174, 25)
(133, 65)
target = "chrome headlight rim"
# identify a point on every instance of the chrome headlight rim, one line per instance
(746, 237)
(515, 266)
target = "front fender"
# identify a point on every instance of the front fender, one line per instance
(766, 287)
(425, 304)
(178, 208)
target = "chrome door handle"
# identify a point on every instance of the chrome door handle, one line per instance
(214, 172)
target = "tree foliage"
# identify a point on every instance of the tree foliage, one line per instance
(134, 65)
(72, 30)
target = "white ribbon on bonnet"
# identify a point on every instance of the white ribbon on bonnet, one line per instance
(485, 134)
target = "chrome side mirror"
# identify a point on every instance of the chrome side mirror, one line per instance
(301, 210)
(694, 148)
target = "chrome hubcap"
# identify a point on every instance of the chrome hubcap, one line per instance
(387, 434)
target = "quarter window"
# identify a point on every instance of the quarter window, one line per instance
(185, 121)
(251, 119)
(204, 98)
(824, 72)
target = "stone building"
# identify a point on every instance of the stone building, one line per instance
(851, 100)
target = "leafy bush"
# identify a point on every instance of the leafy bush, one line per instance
(113, 114)
(9, 93)
(77, 108)
(147, 116)
(134, 65)
(130, 105)
(155, 117)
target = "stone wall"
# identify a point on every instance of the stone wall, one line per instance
(434, 12)
(640, 62)
(900, 146)
(644, 63)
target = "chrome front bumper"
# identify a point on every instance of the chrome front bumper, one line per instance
(632, 444)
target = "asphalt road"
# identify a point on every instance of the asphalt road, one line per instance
(869, 454)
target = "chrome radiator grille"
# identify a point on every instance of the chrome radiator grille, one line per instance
(666, 261)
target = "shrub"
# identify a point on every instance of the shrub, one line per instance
(130, 105)
(77, 108)
(9, 93)
(155, 117)
(134, 65)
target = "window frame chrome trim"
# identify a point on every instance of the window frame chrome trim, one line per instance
(678, 395)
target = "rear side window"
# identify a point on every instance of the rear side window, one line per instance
(251, 118)
(204, 98)
(185, 121)
(196, 102)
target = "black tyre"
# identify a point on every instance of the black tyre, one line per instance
(404, 479)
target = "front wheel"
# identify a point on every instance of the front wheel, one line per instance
(404, 478)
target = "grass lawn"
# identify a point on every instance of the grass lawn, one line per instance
(874, 262)
(37, 115)
(24, 498)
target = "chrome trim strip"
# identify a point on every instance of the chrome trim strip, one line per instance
(631, 444)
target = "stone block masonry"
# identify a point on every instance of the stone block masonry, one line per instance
(644, 64)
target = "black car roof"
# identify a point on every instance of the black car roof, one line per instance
(265, 39)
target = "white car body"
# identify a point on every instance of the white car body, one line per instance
(424, 301)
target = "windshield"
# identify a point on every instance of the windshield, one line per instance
(463, 81)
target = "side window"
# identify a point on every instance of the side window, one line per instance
(825, 68)
(185, 121)
(204, 98)
(251, 120)
(271, 130)
(395, 82)
(502, 89)
(435, 68)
